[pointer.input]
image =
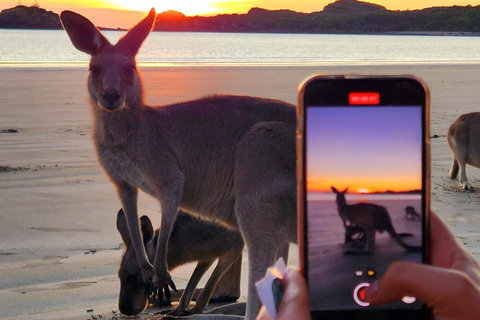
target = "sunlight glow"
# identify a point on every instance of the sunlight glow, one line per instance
(363, 190)
(187, 7)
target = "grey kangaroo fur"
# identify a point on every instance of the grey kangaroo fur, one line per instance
(191, 240)
(463, 137)
(371, 218)
(229, 159)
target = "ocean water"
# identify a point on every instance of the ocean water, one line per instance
(177, 48)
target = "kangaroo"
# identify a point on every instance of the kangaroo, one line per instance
(191, 240)
(463, 137)
(411, 214)
(371, 218)
(202, 156)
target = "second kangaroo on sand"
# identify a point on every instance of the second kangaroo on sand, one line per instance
(371, 218)
(191, 240)
(463, 137)
(230, 159)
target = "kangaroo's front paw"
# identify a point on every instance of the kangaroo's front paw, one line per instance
(163, 283)
(150, 288)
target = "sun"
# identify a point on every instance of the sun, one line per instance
(363, 191)
(187, 7)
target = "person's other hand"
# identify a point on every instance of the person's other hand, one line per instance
(450, 286)
(294, 304)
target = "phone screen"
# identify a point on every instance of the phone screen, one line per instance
(364, 185)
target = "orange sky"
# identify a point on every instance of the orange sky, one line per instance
(96, 9)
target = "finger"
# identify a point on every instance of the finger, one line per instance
(447, 252)
(295, 304)
(440, 233)
(263, 315)
(450, 293)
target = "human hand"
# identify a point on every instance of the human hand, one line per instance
(294, 304)
(450, 286)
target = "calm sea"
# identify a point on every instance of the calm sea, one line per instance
(172, 48)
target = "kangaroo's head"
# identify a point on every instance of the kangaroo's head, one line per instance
(340, 195)
(133, 298)
(114, 82)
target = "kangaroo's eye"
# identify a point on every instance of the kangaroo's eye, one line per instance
(95, 71)
(129, 71)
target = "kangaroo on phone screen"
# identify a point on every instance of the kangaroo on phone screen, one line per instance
(371, 218)
(230, 159)
(411, 214)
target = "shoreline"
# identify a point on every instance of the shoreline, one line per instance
(260, 64)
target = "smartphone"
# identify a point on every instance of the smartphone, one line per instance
(363, 189)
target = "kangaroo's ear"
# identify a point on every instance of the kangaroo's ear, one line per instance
(147, 229)
(83, 34)
(132, 41)
(123, 228)
(334, 190)
(345, 191)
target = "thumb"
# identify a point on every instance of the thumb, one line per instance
(451, 294)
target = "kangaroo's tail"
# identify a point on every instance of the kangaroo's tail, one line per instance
(399, 240)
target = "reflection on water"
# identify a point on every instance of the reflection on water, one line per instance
(250, 48)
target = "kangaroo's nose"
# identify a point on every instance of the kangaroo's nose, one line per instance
(111, 95)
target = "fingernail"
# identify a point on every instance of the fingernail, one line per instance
(371, 291)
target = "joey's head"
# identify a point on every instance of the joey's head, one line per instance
(114, 82)
(132, 299)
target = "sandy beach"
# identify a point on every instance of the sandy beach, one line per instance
(59, 247)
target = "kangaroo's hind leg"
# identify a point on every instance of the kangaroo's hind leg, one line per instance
(228, 289)
(265, 237)
(457, 138)
(265, 198)
(224, 263)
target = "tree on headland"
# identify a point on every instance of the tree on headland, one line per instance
(33, 17)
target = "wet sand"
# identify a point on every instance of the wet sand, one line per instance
(59, 248)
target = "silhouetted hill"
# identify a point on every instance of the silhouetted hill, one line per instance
(22, 17)
(342, 16)
(171, 15)
(352, 7)
(400, 192)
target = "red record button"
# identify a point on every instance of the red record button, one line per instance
(359, 294)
